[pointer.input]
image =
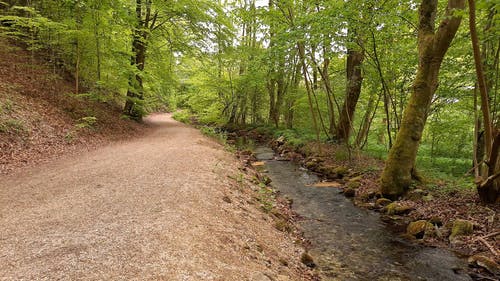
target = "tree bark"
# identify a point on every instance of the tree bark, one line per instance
(488, 185)
(354, 80)
(135, 94)
(432, 46)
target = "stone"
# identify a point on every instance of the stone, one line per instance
(461, 228)
(341, 171)
(356, 179)
(349, 192)
(373, 194)
(282, 278)
(395, 208)
(420, 228)
(369, 206)
(306, 259)
(416, 194)
(311, 164)
(353, 184)
(328, 171)
(382, 202)
(326, 184)
(485, 262)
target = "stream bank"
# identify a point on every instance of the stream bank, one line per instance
(434, 205)
(349, 243)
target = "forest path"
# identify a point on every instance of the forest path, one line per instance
(150, 208)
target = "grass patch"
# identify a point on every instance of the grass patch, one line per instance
(87, 122)
(12, 126)
(266, 198)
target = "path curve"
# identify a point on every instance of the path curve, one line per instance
(151, 208)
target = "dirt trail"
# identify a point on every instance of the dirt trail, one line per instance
(146, 209)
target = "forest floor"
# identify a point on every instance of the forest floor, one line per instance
(40, 120)
(434, 202)
(170, 205)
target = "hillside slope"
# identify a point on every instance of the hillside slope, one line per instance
(40, 119)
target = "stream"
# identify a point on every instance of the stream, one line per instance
(350, 243)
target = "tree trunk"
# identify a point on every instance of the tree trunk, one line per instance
(371, 109)
(488, 185)
(302, 56)
(354, 81)
(432, 46)
(135, 93)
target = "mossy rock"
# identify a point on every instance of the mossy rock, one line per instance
(341, 171)
(327, 170)
(461, 228)
(486, 263)
(395, 208)
(419, 229)
(311, 164)
(353, 184)
(382, 202)
(356, 179)
(416, 194)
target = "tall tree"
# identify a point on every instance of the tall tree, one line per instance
(354, 74)
(432, 47)
(144, 24)
(488, 185)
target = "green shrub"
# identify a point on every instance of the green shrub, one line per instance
(86, 122)
(182, 116)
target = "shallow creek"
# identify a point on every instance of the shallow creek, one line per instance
(350, 243)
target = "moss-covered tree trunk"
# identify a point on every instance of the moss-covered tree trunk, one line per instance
(135, 94)
(432, 46)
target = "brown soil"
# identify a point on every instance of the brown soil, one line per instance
(170, 205)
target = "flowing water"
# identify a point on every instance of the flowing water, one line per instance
(350, 243)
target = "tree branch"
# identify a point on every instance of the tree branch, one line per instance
(448, 27)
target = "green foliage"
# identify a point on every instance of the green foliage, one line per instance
(182, 116)
(227, 61)
(6, 106)
(87, 122)
(11, 125)
(266, 198)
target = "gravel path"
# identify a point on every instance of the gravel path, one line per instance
(150, 208)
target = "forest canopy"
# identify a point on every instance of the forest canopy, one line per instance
(412, 82)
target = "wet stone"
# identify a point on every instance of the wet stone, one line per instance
(486, 263)
(349, 192)
(420, 228)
